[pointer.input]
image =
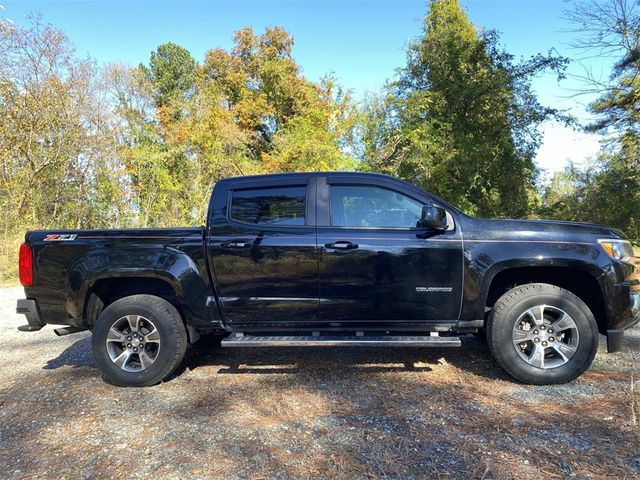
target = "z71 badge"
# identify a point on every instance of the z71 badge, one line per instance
(60, 237)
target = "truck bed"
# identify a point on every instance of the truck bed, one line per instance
(70, 264)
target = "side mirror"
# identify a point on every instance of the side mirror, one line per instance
(433, 218)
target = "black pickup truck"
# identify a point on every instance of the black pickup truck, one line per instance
(330, 259)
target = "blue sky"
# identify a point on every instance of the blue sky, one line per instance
(361, 42)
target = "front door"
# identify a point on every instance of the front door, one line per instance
(375, 264)
(262, 247)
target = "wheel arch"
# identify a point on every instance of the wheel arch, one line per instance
(579, 281)
(99, 278)
(106, 290)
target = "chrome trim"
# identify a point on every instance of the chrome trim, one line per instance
(270, 299)
(234, 340)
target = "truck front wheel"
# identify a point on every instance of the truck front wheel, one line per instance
(138, 341)
(542, 334)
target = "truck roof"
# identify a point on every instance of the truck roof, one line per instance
(311, 174)
(360, 175)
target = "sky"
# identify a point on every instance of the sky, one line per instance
(360, 42)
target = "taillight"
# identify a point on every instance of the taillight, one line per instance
(25, 265)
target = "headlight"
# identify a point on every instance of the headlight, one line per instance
(617, 249)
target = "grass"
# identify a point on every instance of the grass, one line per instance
(9, 246)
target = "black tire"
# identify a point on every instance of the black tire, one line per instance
(508, 310)
(171, 346)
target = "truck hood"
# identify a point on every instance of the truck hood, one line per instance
(549, 230)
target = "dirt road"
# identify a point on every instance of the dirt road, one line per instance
(313, 413)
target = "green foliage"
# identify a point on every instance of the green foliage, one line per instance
(609, 191)
(56, 147)
(275, 107)
(461, 120)
(314, 140)
(82, 147)
(245, 111)
(171, 72)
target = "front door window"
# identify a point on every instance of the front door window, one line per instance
(373, 207)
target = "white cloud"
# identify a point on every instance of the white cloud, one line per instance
(562, 144)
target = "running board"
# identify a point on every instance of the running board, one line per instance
(242, 340)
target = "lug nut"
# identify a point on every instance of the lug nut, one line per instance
(535, 332)
(135, 349)
(551, 339)
(550, 331)
(544, 344)
(129, 346)
(537, 340)
(129, 338)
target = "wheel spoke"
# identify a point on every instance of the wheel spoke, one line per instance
(521, 336)
(537, 357)
(565, 350)
(134, 322)
(145, 359)
(153, 336)
(122, 359)
(565, 322)
(115, 336)
(536, 314)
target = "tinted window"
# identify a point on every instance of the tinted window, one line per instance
(368, 206)
(269, 206)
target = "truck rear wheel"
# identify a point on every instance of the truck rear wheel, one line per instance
(542, 334)
(138, 341)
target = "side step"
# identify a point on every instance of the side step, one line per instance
(243, 340)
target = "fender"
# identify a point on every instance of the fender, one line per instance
(483, 261)
(168, 264)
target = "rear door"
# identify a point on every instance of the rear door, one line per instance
(375, 264)
(262, 247)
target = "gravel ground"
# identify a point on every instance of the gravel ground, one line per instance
(309, 413)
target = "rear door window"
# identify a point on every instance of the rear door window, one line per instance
(269, 206)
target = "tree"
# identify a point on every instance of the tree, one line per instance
(58, 165)
(461, 119)
(608, 192)
(248, 110)
(611, 28)
(289, 123)
(55, 129)
(171, 72)
(316, 140)
(605, 192)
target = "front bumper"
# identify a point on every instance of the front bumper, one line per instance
(615, 335)
(30, 309)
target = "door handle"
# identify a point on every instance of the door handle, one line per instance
(234, 244)
(341, 245)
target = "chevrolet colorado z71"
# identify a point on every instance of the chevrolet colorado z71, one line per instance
(327, 259)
